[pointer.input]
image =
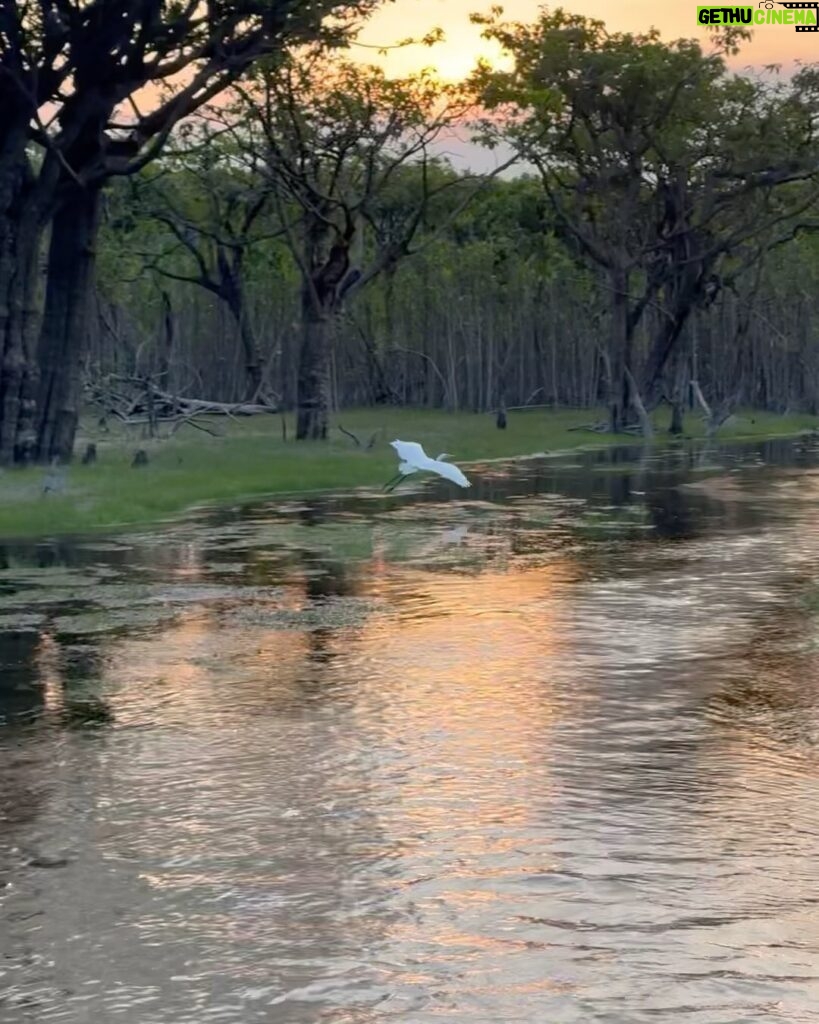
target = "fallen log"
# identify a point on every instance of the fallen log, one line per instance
(161, 405)
(595, 428)
(205, 406)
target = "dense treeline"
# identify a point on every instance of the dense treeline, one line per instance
(495, 310)
(285, 236)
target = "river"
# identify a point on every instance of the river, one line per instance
(547, 753)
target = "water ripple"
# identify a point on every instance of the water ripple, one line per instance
(551, 755)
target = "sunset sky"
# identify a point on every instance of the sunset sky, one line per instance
(456, 56)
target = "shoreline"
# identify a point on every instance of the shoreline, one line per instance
(187, 474)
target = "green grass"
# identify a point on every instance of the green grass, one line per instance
(252, 460)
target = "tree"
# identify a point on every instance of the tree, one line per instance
(83, 64)
(211, 216)
(658, 165)
(330, 136)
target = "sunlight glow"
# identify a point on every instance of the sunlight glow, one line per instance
(463, 46)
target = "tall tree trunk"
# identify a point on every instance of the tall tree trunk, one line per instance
(679, 392)
(253, 365)
(166, 342)
(662, 347)
(313, 385)
(18, 319)
(20, 233)
(618, 401)
(324, 265)
(63, 338)
(685, 292)
(232, 291)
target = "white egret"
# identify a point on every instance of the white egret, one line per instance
(415, 460)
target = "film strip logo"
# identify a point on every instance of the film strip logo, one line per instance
(800, 7)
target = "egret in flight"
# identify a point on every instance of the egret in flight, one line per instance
(414, 460)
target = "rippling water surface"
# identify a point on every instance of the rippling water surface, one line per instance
(546, 754)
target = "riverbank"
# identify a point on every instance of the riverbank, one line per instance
(252, 460)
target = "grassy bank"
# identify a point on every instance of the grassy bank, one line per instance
(251, 459)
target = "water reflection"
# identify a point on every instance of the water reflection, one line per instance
(546, 754)
(20, 680)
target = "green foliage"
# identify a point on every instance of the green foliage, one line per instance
(616, 122)
(650, 157)
(670, 176)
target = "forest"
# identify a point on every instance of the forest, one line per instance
(221, 208)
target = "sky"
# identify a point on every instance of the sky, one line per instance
(456, 56)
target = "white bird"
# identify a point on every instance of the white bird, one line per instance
(414, 460)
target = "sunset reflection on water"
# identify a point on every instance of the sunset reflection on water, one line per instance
(550, 757)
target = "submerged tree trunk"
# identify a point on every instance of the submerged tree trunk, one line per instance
(637, 404)
(679, 393)
(64, 334)
(677, 416)
(313, 385)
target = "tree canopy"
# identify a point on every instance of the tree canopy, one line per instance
(664, 170)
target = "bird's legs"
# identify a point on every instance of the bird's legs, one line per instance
(390, 485)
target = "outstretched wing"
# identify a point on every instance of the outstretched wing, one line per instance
(410, 451)
(449, 472)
